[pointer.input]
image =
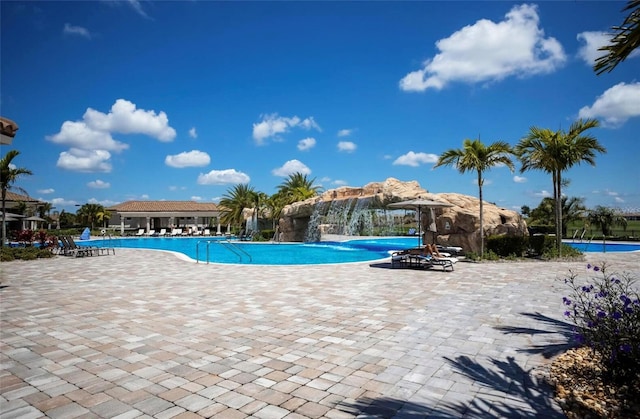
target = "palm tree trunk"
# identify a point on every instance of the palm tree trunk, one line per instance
(559, 213)
(4, 217)
(481, 215)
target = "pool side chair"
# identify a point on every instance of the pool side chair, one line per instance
(176, 232)
(163, 232)
(151, 233)
(92, 250)
(206, 232)
(140, 232)
(432, 260)
(399, 259)
(70, 248)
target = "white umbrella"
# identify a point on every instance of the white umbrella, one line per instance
(418, 204)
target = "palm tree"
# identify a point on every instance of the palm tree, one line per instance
(103, 216)
(297, 187)
(235, 201)
(555, 152)
(478, 157)
(44, 209)
(623, 42)
(89, 213)
(9, 174)
(606, 218)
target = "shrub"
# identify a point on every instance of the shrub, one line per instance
(606, 312)
(567, 252)
(508, 245)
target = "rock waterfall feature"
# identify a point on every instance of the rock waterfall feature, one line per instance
(362, 211)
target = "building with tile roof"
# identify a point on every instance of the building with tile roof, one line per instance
(156, 215)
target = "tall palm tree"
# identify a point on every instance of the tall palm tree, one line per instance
(297, 187)
(606, 218)
(555, 152)
(89, 213)
(9, 175)
(44, 210)
(235, 201)
(625, 39)
(476, 156)
(103, 217)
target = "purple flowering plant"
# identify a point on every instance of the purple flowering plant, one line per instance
(606, 312)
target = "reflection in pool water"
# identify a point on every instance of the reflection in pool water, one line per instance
(220, 250)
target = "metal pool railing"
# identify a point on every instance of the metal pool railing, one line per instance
(227, 244)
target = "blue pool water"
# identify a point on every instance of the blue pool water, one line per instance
(605, 247)
(257, 253)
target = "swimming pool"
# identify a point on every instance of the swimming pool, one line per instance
(221, 250)
(605, 247)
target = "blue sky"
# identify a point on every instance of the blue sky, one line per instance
(141, 100)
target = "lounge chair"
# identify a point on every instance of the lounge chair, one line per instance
(423, 257)
(140, 232)
(163, 232)
(92, 250)
(176, 232)
(151, 233)
(69, 249)
(206, 232)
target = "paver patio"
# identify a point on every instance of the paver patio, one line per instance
(148, 334)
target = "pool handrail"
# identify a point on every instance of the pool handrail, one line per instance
(227, 244)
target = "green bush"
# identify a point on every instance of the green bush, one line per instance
(542, 244)
(567, 251)
(606, 312)
(8, 254)
(508, 245)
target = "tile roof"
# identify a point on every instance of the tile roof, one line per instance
(164, 206)
(12, 196)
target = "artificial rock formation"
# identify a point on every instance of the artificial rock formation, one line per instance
(458, 225)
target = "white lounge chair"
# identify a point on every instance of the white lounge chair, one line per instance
(140, 232)
(206, 232)
(163, 232)
(176, 232)
(151, 233)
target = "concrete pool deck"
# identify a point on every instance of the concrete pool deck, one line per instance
(146, 334)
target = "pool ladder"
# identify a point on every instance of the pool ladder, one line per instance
(227, 244)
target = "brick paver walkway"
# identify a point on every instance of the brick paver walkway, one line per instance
(147, 334)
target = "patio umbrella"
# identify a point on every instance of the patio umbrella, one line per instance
(418, 204)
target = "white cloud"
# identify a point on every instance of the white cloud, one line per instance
(46, 191)
(519, 179)
(591, 41)
(306, 143)
(415, 159)
(291, 167)
(193, 158)
(273, 125)
(85, 160)
(124, 118)
(99, 184)
(619, 200)
(79, 135)
(193, 133)
(93, 134)
(339, 182)
(616, 105)
(347, 146)
(309, 123)
(196, 198)
(542, 194)
(487, 51)
(76, 30)
(104, 202)
(61, 202)
(223, 177)
(344, 132)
